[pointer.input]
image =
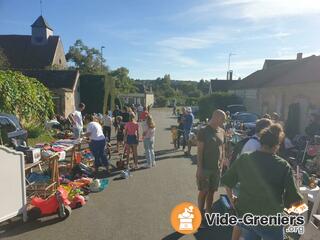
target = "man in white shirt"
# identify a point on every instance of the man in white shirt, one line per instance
(106, 124)
(76, 121)
(253, 144)
(97, 143)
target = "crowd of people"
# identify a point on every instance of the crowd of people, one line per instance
(249, 185)
(258, 181)
(128, 123)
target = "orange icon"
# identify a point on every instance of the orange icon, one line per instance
(186, 218)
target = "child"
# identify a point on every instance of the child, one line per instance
(120, 134)
(174, 134)
(180, 132)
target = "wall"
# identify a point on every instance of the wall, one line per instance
(278, 99)
(65, 101)
(59, 61)
(250, 99)
(69, 100)
(149, 99)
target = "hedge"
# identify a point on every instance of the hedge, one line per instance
(26, 98)
(219, 100)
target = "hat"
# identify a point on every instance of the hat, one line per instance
(189, 109)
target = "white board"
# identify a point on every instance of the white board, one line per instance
(12, 184)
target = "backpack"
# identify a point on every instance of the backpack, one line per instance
(238, 148)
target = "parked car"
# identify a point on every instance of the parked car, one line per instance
(245, 119)
(11, 132)
(235, 108)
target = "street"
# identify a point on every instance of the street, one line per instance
(135, 208)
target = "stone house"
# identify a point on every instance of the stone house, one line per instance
(64, 86)
(283, 86)
(41, 55)
(144, 96)
(40, 50)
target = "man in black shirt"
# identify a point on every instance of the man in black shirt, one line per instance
(210, 155)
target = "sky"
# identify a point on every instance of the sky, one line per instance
(188, 39)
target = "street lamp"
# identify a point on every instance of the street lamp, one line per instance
(102, 47)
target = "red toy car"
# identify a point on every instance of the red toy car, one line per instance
(57, 203)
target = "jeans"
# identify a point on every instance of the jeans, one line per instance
(186, 133)
(98, 151)
(149, 148)
(77, 132)
(262, 232)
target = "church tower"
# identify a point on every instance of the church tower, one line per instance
(41, 31)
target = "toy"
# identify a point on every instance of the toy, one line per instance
(77, 201)
(57, 203)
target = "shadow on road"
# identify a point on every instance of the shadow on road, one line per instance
(204, 234)
(17, 226)
(173, 236)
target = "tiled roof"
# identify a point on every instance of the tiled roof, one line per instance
(287, 72)
(22, 54)
(54, 79)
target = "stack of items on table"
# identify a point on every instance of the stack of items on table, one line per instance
(73, 184)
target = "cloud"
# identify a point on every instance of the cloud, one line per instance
(183, 43)
(254, 10)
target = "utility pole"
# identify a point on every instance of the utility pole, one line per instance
(102, 47)
(41, 7)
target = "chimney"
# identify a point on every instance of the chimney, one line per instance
(299, 56)
(229, 75)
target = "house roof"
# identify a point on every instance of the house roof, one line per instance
(55, 79)
(22, 54)
(282, 73)
(269, 63)
(222, 85)
(41, 22)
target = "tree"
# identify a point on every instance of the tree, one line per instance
(4, 63)
(203, 86)
(87, 60)
(123, 83)
(167, 80)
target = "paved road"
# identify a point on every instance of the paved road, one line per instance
(137, 208)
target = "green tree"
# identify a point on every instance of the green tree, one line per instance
(123, 83)
(25, 97)
(4, 63)
(86, 59)
(203, 86)
(167, 80)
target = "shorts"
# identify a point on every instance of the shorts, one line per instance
(120, 137)
(210, 182)
(132, 140)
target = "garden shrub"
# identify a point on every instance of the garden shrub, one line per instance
(26, 98)
(219, 100)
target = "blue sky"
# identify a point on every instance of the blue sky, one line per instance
(189, 39)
